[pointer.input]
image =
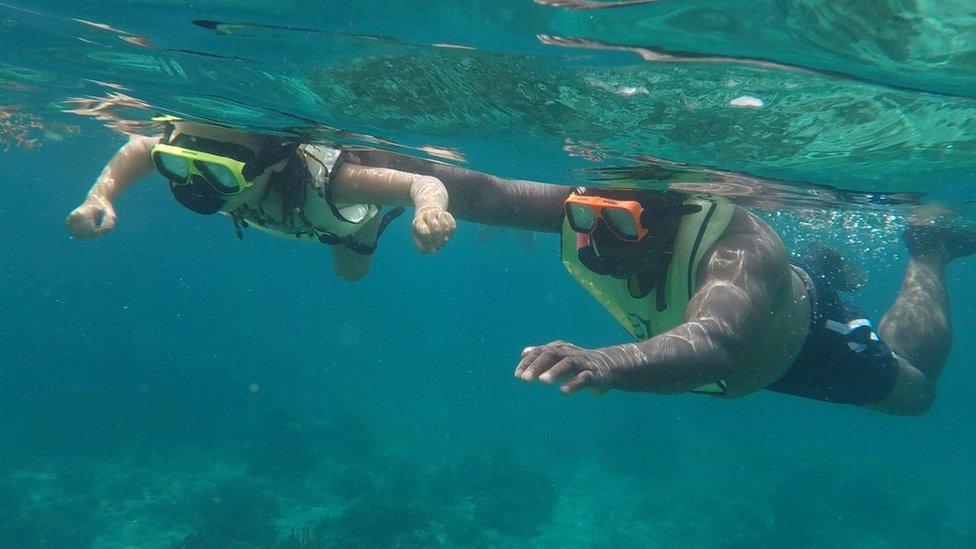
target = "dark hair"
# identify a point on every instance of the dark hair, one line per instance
(657, 204)
(292, 183)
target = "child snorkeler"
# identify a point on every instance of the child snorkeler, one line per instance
(303, 191)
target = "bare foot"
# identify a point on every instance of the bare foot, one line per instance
(940, 242)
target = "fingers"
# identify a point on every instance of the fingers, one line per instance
(419, 243)
(432, 229)
(107, 223)
(73, 223)
(422, 236)
(84, 222)
(560, 361)
(562, 369)
(442, 226)
(584, 379)
(529, 355)
(541, 360)
(449, 223)
(447, 227)
(436, 232)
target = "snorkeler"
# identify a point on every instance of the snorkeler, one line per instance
(302, 191)
(714, 300)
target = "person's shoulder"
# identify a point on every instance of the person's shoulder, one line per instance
(748, 232)
(144, 141)
(744, 222)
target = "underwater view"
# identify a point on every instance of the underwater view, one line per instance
(608, 207)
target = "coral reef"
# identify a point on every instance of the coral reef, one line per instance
(21, 129)
(504, 492)
(62, 524)
(235, 513)
(15, 128)
(288, 445)
(824, 507)
(12, 498)
(59, 521)
(380, 522)
(302, 539)
(284, 446)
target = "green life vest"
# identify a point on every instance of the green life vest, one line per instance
(642, 316)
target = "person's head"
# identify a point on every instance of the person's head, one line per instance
(622, 233)
(210, 168)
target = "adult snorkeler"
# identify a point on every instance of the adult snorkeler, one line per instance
(714, 300)
(302, 191)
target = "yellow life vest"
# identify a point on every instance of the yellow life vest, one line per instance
(641, 316)
(318, 214)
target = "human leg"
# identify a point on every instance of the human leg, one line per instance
(918, 325)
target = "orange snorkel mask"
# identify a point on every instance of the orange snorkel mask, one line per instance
(627, 220)
(624, 218)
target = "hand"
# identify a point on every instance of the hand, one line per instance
(559, 361)
(432, 228)
(95, 217)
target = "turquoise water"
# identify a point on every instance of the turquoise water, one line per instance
(171, 386)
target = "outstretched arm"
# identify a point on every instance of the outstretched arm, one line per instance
(96, 215)
(432, 224)
(483, 198)
(738, 280)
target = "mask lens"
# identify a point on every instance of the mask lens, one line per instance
(220, 177)
(581, 218)
(622, 222)
(172, 167)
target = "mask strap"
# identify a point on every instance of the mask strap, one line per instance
(653, 212)
(268, 157)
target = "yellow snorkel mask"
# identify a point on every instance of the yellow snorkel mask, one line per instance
(179, 165)
(228, 168)
(203, 172)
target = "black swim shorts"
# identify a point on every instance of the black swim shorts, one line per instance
(843, 360)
